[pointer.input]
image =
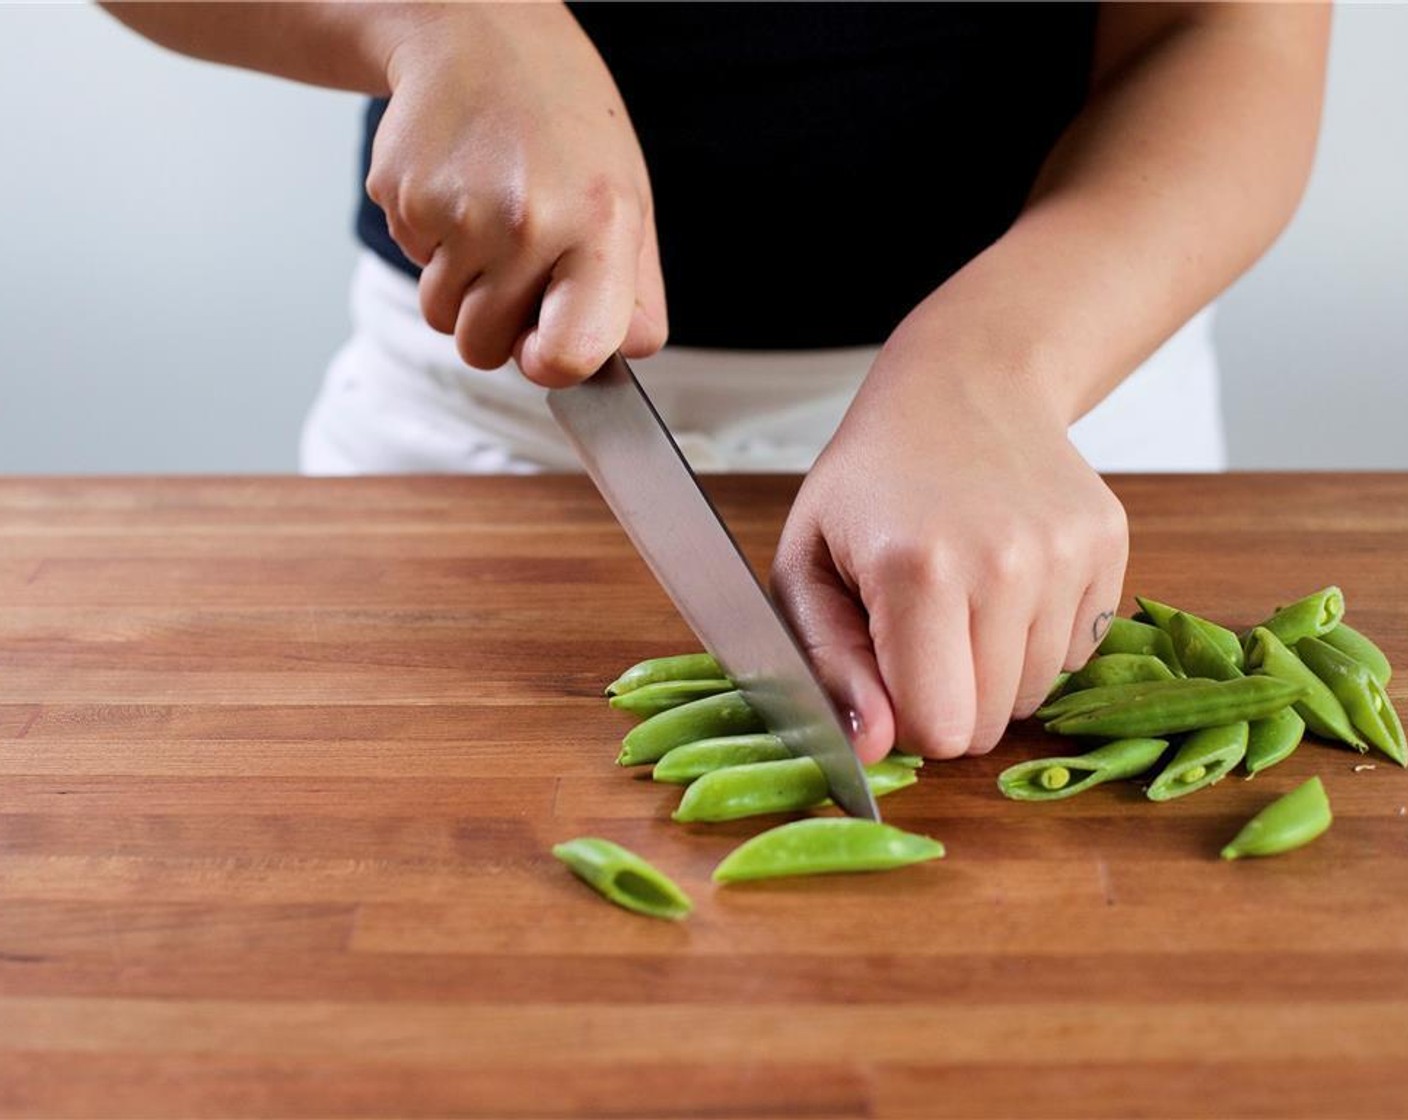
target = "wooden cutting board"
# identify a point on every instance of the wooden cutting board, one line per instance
(281, 761)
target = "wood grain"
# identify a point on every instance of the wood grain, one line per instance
(281, 761)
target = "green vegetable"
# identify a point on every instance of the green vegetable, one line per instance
(692, 760)
(1127, 636)
(1089, 699)
(622, 877)
(775, 787)
(1203, 760)
(1316, 614)
(681, 667)
(664, 695)
(1367, 704)
(1194, 704)
(1318, 706)
(1351, 641)
(1273, 739)
(1219, 637)
(1118, 668)
(1199, 655)
(726, 713)
(1049, 779)
(825, 845)
(1288, 822)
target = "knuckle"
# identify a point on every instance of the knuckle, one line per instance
(577, 353)
(479, 347)
(914, 564)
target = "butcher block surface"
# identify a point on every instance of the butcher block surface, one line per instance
(281, 762)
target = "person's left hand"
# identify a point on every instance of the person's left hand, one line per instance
(949, 552)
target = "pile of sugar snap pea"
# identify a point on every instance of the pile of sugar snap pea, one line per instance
(1165, 686)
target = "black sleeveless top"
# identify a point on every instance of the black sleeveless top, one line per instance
(818, 169)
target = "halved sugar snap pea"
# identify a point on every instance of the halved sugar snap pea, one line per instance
(1118, 668)
(693, 760)
(680, 667)
(775, 787)
(1273, 739)
(661, 696)
(726, 713)
(1348, 640)
(824, 846)
(622, 877)
(1324, 715)
(1288, 822)
(1219, 636)
(1316, 614)
(1193, 705)
(1127, 636)
(1050, 779)
(1199, 655)
(1204, 759)
(1365, 702)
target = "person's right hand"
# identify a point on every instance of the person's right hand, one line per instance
(509, 171)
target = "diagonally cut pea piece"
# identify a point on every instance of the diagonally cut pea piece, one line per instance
(1288, 822)
(725, 714)
(1118, 668)
(661, 696)
(1364, 699)
(1316, 614)
(1273, 739)
(1199, 655)
(693, 760)
(1348, 640)
(1219, 637)
(1204, 759)
(789, 786)
(823, 846)
(1051, 779)
(622, 877)
(1127, 636)
(1324, 715)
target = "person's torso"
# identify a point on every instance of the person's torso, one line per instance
(818, 169)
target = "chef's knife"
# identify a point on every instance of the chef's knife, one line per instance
(639, 470)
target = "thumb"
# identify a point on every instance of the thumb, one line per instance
(832, 628)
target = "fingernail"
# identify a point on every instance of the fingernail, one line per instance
(853, 718)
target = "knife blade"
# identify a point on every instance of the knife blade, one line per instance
(634, 461)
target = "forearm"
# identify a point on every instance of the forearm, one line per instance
(339, 45)
(1185, 165)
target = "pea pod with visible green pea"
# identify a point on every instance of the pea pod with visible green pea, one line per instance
(725, 713)
(788, 786)
(679, 667)
(661, 696)
(1203, 759)
(1367, 704)
(1118, 668)
(1199, 655)
(823, 846)
(1348, 640)
(1221, 638)
(622, 877)
(1194, 705)
(1273, 739)
(693, 760)
(1324, 715)
(1127, 636)
(1316, 614)
(1288, 822)
(1051, 779)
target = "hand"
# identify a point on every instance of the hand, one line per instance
(509, 170)
(949, 553)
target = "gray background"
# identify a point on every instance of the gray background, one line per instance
(175, 246)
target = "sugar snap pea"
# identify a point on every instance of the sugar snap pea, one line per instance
(725, 713)
(1348, 640)
(1316, 614)
(621, 876)
(661, 696)
(679, 667)
(1288, 822)
(693, 760)
(1127, 636)
(1273, 739)
(1088, 699)
(1050, 779)
(1118, 668)
(1202, 760)
(1367, 704)
(1195, 704)
(1221, 638)
(788, 786)
(825, 845)
(1199, 655)
(1318, 706)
